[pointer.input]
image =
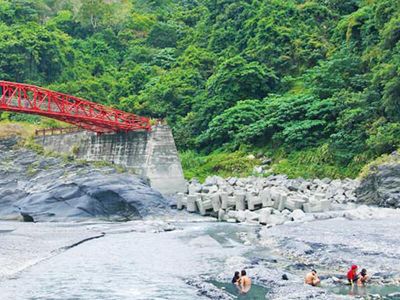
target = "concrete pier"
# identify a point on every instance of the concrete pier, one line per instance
(151, 154)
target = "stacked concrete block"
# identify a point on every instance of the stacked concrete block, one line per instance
(194, 188)
(216, 202)
(269, 200)
(253, 201)
(294, 203)
(240, 203)
(264, 215)
(280, 201)
(314, 207)
(228, 202)
(191, 203)
(204, 205)
(266, 199)
(222, 215)
(181, 201)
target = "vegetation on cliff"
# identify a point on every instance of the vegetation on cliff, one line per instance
(313, 84)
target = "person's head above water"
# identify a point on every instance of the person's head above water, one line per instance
(354, 267)
(313, 271)
(243, 272)
(364, 272)
(236, 277)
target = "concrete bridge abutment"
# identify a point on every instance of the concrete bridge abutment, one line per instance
(151, 154)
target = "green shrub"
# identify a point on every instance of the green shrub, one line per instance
(223, 164)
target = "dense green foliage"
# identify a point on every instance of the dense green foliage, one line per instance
(222, 164)
(286, 77)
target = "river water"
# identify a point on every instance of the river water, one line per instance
(155, 259)
(131, 265)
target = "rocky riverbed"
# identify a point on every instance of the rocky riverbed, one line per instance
(184, 256)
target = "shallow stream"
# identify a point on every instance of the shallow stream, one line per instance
(256, 292)
(388, 291)
(131, 265)
(146, 260)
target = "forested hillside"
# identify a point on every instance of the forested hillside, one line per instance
(314, 84)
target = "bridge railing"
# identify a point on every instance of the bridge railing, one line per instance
(57, 131)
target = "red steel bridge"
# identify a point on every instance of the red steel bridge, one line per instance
(30, 99)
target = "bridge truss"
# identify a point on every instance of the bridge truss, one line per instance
(30, 99)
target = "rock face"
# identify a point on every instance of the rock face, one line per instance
(381, 186)
(54, 189)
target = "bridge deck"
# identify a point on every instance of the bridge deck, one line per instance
(30, 99)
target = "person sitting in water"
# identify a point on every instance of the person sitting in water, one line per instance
(236, 277)
(352, 276)
(244, 283)
(362, 278)
(312, 278)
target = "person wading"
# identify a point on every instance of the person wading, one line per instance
(244, 283)
(362, 278)
(352, 276)
(312, 278)
(236, 277)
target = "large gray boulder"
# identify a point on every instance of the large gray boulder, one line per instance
(381, 186)
(55, 189)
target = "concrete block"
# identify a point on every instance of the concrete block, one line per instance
(276, 219)
(227, 201)
(194, 188)
(191, 203)
(181, 201)
(204, 205)
(313, 207)
(240, 203)
(319, 196)
(251, 216)
(297, 215)
(280, 203)
(232, 180)
(325, 205)
(241, 216)
(294, 204)
(253, 201)
(212, 189)
(231, 214)
(264, 215)
(216, 202)
(222, 215)
(266, 200)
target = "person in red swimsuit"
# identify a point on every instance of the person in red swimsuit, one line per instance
(352, 276)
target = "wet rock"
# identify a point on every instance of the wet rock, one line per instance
(51, 189)
(395, 295)
(26, 217)
(381, 186)
(208, 290)
(169, 227)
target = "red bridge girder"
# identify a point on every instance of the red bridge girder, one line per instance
(30, 99)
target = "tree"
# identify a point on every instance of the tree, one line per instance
(30, 53)
(163, 35)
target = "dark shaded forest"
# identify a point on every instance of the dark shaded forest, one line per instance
(313, 84)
